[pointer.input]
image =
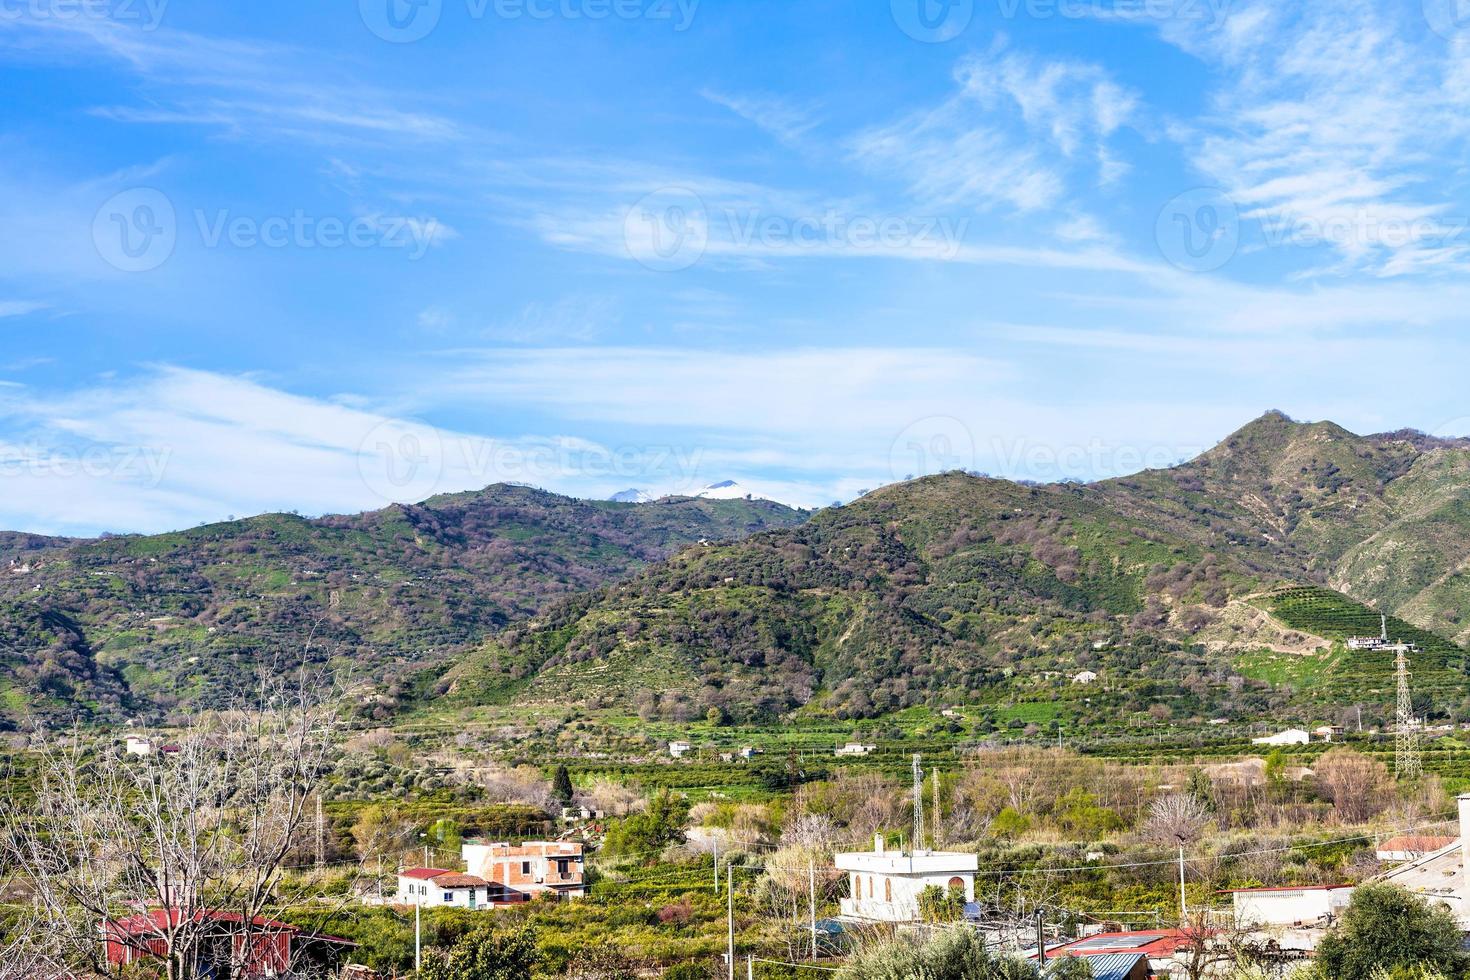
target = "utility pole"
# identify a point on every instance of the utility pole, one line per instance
(418, 932)
(321, 833)
(1183, 910)
(935, 831)
(730, 918)
(1040, 938)
(811, 884)
(717, 865)
(918, 803)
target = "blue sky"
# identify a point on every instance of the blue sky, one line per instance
(317, 257)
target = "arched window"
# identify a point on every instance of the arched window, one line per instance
(887, 889)
(956, 882)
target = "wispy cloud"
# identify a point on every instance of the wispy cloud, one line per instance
(784, 120)
(241, 87)
(1009, 137)
(18, 307)
(1327, 126)
(175, 447)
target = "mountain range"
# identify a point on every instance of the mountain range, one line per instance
(1225, 585)
(144, 624)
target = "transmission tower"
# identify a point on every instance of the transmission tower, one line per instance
(1406, 731)
(918, 803)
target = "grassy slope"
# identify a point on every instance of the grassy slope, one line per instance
(182, 618)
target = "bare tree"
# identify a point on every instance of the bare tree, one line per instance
(1357, 785)
(174, 843)
(1177, 820)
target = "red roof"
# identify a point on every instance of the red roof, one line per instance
(424, 874)
(156, 920)
(1154, 943)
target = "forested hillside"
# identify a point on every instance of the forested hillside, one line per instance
(145, 623)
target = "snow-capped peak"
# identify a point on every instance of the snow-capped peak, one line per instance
(633, 496)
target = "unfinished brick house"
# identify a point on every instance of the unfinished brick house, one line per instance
(522, 872)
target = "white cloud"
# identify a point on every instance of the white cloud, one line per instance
(783, 120)
(243, 87)
(1009, 137)
(176, 447)
(19, 307)
(1327, 125)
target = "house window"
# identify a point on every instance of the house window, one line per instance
(525, 867)
(561, 867)
(870, 886)
(887, 889)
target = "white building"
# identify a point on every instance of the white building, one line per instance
(439, 888)
(1439, 877)
(679, 749)
(138, 745)
(1292, 906)
(1085, 677)
(1292, 736)
(884, 886)
(856, 748)
(1411, 847)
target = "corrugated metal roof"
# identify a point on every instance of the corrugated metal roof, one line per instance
(1114, 966)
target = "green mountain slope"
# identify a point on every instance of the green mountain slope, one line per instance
(140, 623)
(961, 588)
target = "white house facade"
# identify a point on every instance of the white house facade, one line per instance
(439, 888)
(884, 886)
(1300, 906)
